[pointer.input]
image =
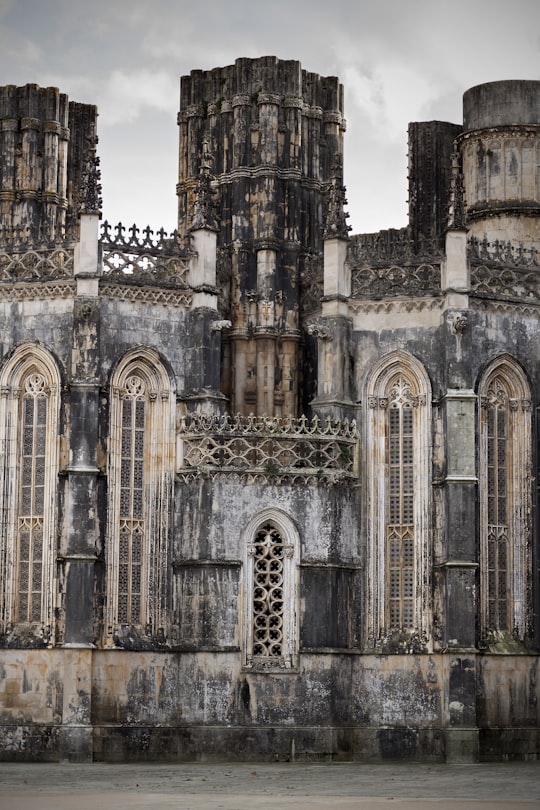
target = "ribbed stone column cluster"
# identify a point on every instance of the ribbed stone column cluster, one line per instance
(43, 142)
(274, 132)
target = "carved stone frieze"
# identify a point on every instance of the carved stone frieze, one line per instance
(41, 292)
(36, 265)
(390, 307)
(381, 282)
(148, 295)
(391, 247)
(502, 280)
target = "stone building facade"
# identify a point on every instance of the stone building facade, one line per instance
(269, 489)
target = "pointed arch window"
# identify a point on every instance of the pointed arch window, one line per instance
(29, 413)
(141, 468)
(398, 452)
(505, 498)
(270, 620)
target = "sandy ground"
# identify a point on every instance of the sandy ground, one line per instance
(269, 786)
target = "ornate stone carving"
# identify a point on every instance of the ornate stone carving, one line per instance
(459, 323)
(220, 326)
(160, 261)
(336, 217)
(380, 282)
(268, 446)
(91, 200)
(203, 212)
(321, 331)
(456, 210)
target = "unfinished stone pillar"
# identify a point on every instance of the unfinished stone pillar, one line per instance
(334, 330)
(44, 143)
(274, 131)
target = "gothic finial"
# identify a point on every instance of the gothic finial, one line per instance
(456, 208)
(203, 206)
(91, 200)
(336, 217)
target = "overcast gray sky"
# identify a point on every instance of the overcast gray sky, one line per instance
(399, 61)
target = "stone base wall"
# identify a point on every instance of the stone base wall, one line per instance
(112, 706)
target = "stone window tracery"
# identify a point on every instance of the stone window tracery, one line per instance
(270, 622)
(141, 466)
(505, 499)
(31, 500)
(397, 453)
(29, 411)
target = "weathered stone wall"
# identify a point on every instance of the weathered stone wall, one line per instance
(135, 706)
(190, 686)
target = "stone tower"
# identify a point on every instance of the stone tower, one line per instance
(271, 137)
(45, 143)
(500, 149)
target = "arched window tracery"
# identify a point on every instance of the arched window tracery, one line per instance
(505, 498)
(398, 471)
(141, 469)
(270, 622)
(29, 417)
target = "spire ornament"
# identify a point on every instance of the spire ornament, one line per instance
(204, 215)
(456, 208)
(336, 217)
(91, 200)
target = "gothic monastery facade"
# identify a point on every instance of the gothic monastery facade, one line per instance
(269, 489)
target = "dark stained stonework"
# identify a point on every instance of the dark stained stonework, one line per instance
(269, 490)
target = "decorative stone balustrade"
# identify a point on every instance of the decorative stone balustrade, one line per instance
(504, 269)
(268, 446)
(391, 247)
(383, 282)
(391, 264)
(26, 254)
(144, 257)
(505, 253)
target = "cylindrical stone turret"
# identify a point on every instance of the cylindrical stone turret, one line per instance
(500, 148)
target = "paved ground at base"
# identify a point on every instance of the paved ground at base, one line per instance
(302, 786)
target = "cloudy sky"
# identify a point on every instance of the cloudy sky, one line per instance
(399, 61)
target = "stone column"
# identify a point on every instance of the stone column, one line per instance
(460, 488)
(8, 128)
(27, 215)
(334, 334)
(50, 176)
(459, 570)
(265, 331)
(80, 543)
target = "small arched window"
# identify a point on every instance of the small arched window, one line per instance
(29, 414)
(270, 622)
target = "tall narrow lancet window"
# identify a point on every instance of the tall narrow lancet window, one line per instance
(270, 621)
(505, 498)
(400, 561)
(29, 415)
(398, 472)
(141, 469)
